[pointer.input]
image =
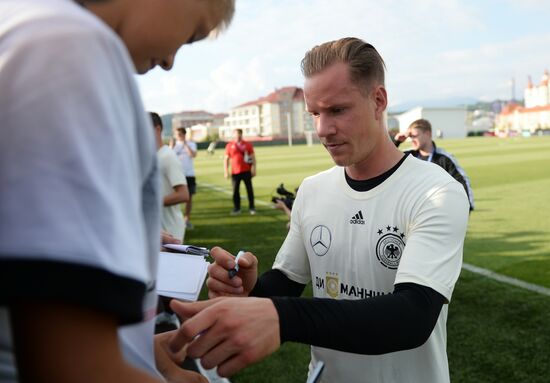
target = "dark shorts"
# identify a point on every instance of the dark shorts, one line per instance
(191, 185)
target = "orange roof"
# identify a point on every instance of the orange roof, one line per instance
(249, 103)
(275, 96)
(511, 109)
(541, 108)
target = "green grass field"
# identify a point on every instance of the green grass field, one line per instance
(496, 332)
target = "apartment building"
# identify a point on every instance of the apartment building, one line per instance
(275, 116)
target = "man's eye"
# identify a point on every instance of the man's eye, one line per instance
(336, 110)
(314, 114)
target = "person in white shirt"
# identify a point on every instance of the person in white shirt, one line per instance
(379, 236)
(186, 150)
(174, 184)
(79, 196)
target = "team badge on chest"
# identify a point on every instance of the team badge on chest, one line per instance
(390, 246)
(333, 285)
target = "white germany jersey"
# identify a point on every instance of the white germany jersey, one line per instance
(356, 245)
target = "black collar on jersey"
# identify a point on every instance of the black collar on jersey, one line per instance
(371, 183)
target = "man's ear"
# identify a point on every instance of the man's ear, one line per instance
(381, 99)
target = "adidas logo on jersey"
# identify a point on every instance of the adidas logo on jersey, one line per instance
(357, 219)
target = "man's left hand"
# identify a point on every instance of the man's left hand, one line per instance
(230, 333)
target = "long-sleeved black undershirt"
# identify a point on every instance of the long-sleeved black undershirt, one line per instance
(400, 321)
(378, 325)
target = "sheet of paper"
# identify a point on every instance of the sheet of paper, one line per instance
(181, 276)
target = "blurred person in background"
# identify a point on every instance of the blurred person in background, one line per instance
(239, 156)
(173, 182)
(186, 150)
(423, 147)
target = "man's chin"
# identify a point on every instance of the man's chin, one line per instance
(338, 160)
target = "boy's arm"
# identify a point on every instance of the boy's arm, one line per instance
(57, 342)
(176, 179)
(179, 195)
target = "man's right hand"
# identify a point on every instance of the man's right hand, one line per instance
(218, 282)
(400, 137)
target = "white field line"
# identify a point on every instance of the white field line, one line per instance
(474, 269)
(504, 279)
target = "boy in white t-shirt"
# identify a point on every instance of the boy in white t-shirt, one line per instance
(173, 183)
(379, 236)
(80, 199)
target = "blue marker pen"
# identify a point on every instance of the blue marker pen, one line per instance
(235, 270)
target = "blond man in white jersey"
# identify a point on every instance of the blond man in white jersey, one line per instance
(379, 236)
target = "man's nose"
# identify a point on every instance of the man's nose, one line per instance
(324, 126)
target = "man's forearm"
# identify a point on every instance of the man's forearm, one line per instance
(411, 312)
(275, 283)
(46, 353)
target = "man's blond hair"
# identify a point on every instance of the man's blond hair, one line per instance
(366, 66)
(422, 125)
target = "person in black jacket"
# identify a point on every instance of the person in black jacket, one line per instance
(423, 147)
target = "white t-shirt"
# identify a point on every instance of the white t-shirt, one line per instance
(171, 175)
(185, 159)
(355, 245)
(79, 194)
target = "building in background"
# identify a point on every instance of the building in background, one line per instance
(449, 122)
(204, 126)
(531, 118)
(275, 116)
(187, 119)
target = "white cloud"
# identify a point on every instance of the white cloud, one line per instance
(488, 69)
(432, 49)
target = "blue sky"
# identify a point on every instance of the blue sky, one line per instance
(433, 50)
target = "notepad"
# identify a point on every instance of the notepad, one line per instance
(188, 249)
(181, 276)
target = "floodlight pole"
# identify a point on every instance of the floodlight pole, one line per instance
(289, 129)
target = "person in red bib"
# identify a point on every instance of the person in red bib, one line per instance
(240, 154)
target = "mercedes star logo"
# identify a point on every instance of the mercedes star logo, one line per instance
(320, 240)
